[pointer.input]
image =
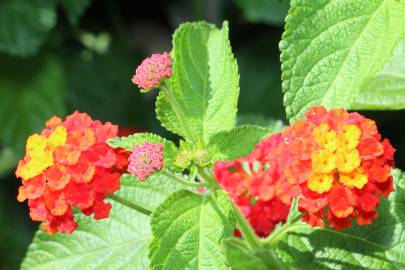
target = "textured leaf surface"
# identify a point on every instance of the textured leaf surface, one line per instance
(119, 242)
(205, 81)
(330, 48)
(31, 92)
(188, 230)
(266, 11)
(167, 116)
(25, 24)
(387, 89)
(74, 9)
(380, 245)
(237, 142)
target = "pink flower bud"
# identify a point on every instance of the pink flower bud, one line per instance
(152, 71)
(145, 159)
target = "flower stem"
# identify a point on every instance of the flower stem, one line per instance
(272, 261)
(181, 181)
(206, 175)
(177, 110)
(276, 235)
(246, 229)
(129, 204)
(241, 222)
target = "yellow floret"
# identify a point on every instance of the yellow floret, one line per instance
(355, 179)
(350, 137)
(323, 161)
(347, 160)
(326, 139)
(35, 166)
(39, 153)
(320, 183)
(36, 145)
(57, 138)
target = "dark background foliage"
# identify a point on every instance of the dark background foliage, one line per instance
(61, 56)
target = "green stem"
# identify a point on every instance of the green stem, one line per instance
(182, 181)
(272, 261)
(177, 110)
(267, 256)
(241, 222)
(208, 177)
(238, 243)
(246, 229)
(276, 236)
(129, 204)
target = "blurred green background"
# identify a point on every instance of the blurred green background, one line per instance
(66, 55)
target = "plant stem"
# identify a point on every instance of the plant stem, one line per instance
(241, 222)
(238, 243)
(246, 229)
(177, 110)
(208, 177)
(129, 204)
(272, 261)
(276, 236)
(182, 181)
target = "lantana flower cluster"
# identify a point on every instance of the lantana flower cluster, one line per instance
(257, 186)
(69, 165)
(335, 161)
(341, 164)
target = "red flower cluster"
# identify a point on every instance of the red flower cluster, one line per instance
(70, 165)
(341, 164)
(256, 185)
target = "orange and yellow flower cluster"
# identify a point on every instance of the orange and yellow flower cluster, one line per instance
(335, 160)
(69, 165)
(341, 165)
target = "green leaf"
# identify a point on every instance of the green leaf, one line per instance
(237, 142)
(32, 91)
(330, 48)
(204, 81)
(119, 242)
(188, 230)
(25, 24)
(377, 246)
(169, 149)
(74, 9)
(266, 11)
(387, 90)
